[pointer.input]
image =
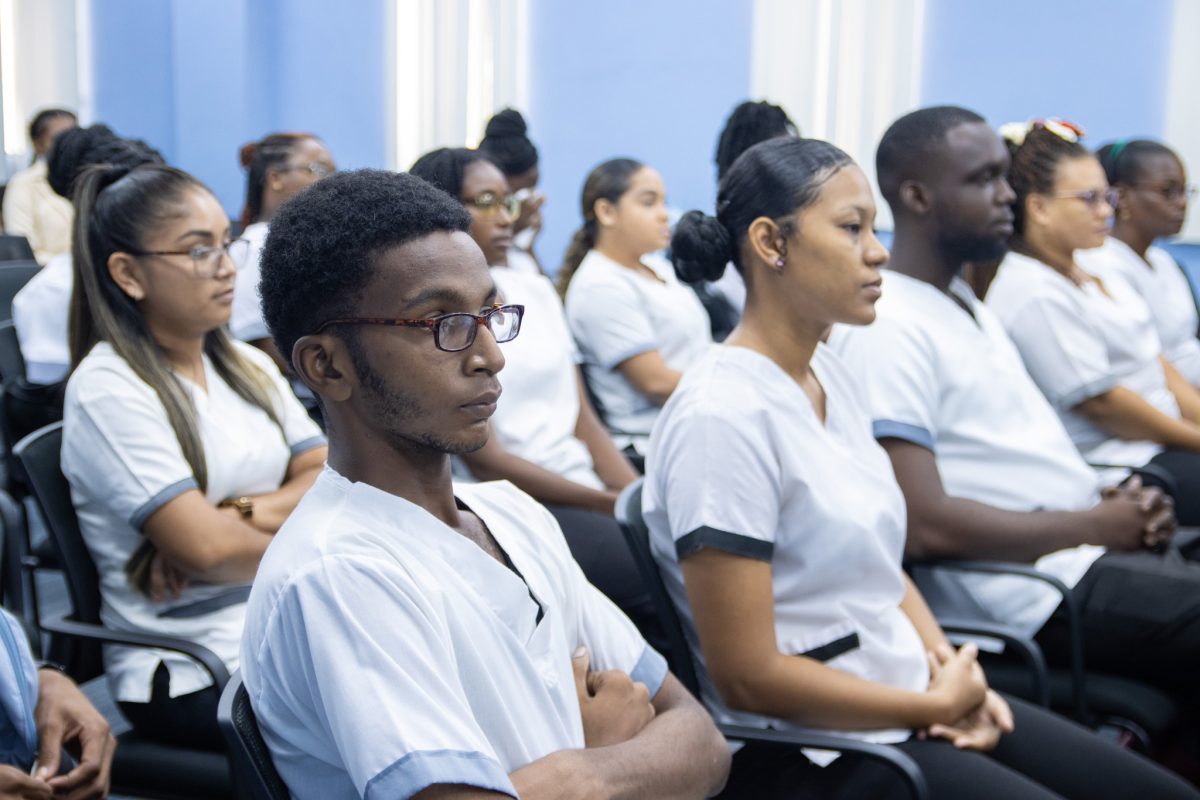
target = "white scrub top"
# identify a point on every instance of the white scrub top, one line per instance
(616, 313)
(955, 385)
(385, 652)
(1080, 342)
(539, 408)
(40, 311)
(1165, 289)
(739, 461)
(246, 322)
(123, 462)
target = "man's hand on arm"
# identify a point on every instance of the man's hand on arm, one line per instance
(66, 718)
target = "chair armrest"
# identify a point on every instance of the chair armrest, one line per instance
(1029, 650)
(1074, 615)
(886, 754)
(198, 652)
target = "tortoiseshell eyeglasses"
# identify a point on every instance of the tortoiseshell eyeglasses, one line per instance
(452, 332)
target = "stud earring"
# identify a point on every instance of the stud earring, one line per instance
(779, 263)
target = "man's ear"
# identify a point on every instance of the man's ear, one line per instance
(915, 197)
(323, 363)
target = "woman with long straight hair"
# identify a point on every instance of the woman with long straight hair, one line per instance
(185, 449)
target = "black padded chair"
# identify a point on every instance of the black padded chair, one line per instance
(1135, 713)
(143, 767)
(254, 774)
(15, 248)
(679, 657)
(12, 363)
(14, 275)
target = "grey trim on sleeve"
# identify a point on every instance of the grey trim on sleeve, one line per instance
(891, 429)
(236, 595)
(160, 499)
(421, 769)
(308, 444)
(735, 543)
(650, 669)
(628, 353)
(1086, 392)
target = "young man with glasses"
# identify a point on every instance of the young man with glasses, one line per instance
(408, 637)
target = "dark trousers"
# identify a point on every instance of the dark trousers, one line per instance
(189, 720)
(599, 548)
(1141, 619)
(1184, 468)
(1045, 757)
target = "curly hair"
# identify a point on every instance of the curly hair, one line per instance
(1034, 164)
(748, 124)
(321, 249)
(506, 142)
(446, 166)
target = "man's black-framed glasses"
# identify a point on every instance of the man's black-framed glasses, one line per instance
(452, 332)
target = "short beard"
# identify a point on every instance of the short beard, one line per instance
(392, 411)
(965, 248)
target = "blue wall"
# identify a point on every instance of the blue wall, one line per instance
(1100, 63)
(651, 80)
(199, 79)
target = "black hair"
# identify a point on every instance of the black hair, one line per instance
(116, 209)
(911, 142)
(445, 167)
(258, 157)
(43, 118)
(78, 148)
(1124, 160)
(772, 179)
(1034, 163)
(748, 124)
(322, 246)
(506, 142)
(608, 181)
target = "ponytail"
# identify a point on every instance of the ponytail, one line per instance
(581, 243)
(115, 210)
(608, 181)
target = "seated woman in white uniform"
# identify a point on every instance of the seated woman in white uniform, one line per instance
(1086, 337)
(780, 527)
(1152, 202)
(40, 307)
(637, 326)
(185, 450)
(506, 142)
(278, 167)
(546, 439)
(31, 207)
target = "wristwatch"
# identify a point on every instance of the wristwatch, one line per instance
(243, 504)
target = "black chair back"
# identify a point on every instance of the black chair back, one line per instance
(38, 455)
(637, 536)
(254, 774)
(13, 275)
(12, 363)
(15, 248)
(12, 588)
